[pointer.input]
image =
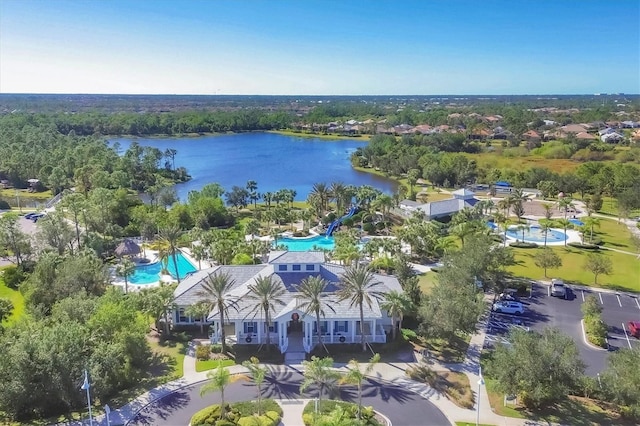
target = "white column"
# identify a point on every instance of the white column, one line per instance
(353, 331)
(373, 330)
(260, 327)
(331, 325)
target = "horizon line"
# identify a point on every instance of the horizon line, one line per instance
(316, 95)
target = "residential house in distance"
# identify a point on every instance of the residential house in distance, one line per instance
(290, 327)
(462, 199)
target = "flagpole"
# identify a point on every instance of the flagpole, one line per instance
(86, 386)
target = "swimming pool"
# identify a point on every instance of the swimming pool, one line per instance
(534, 234)
(576, 222)
(148, 274)
(319, 242)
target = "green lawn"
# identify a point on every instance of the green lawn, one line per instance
(329, 137)
(213, 363)
(16, 298)
(626, 268)
(614, 234)
(427, 281)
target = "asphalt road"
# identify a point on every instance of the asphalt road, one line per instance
(401, 406)
(542, 310)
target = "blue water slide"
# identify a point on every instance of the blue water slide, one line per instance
(337, 222)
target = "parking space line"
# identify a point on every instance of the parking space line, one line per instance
(600, 295)
(638, 304)
(549, 291)
(619, 302)
(627, 336)
(583, 295)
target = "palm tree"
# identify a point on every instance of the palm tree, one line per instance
(258, 375)
(219, 379)
(355, 375)
(505, 204)
(591, 222)
(565, 203)
(545, 225)
(396, 304)
(268, 198)
(170, 235)
(266, 293)
(125, 269)
(337, 192)
(565, 224)
(517, 199)
(198, 310)
(312, 292)
(252, 227)
(522, 228)
(215, 291)
(321, 191)
(548, 211)
(358, 285)
(320, 372)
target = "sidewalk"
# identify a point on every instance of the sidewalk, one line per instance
(390, 372)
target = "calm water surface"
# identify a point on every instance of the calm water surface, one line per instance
(274, 161)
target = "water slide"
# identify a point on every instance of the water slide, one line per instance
(337, 222)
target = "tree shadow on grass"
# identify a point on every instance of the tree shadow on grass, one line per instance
(578, 412)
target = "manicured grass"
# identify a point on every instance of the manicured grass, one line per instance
(447, 351)
(427, 281)
(471, 424)
(16, 298)
(614, 234)
(495, 160)
(329, 137)
(23, 193)
(213, 363)
(570, 411)
(173, 352)
(626, 268)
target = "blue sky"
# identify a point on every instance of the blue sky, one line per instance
(320, 47)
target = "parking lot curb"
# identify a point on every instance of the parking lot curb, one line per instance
(586, 341)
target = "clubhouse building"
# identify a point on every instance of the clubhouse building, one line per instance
(290, 328)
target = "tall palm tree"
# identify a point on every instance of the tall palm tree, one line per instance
(266, 293)
(268, 198)
(591, 222)
(505, 204)
(548, 211)
(320, 372)
(355, 376)
(397, 304)
(337, 192)
(199, 310)
(215, 292)
(565, 203)
(545, 226)
(321, 191)
(170, 235)
(564, 222)
(358, 285)
(517, 199)
(312, 292)
(219, 379)
(125, 269)
(258, 375)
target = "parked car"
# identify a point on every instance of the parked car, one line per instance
(558, 288)
(634, 329)
(29, 215)
(508, 307)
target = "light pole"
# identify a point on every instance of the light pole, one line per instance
(107, 413)
(480, 384)
(86, 386)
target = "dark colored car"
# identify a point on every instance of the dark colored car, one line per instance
(634, 329)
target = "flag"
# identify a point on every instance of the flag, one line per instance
(85, 385)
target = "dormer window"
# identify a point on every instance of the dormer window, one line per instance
(297, 267)
(282, 268)
(310, 267)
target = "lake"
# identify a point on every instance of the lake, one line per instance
(274, 161)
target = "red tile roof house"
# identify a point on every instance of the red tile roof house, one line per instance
(531, 135)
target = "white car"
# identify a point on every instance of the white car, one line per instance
(507, 307)
(558, 288)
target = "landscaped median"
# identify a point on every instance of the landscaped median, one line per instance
(340, 413)
(246, 413)
(594, 327)
(453, 384)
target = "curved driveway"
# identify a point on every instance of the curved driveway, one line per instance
(401, 406)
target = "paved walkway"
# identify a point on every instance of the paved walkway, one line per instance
(390, 372)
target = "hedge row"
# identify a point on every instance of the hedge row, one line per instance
(243, 413)
(523, 244)
(350, 410)
(585, 246)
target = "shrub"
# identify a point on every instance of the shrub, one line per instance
(13, 276)
(584, 246)
(215, 349)
(350, 410)
(203, 352)
(596, 330)
(523, 244)
(348, 222)
(369, 227)
(4, 205)
(239, 414)
(409, 335)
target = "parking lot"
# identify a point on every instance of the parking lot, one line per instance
(542, 310)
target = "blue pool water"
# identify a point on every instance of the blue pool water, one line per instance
(147, 274)
(534, 234)
(306, 244)
(576, 222)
